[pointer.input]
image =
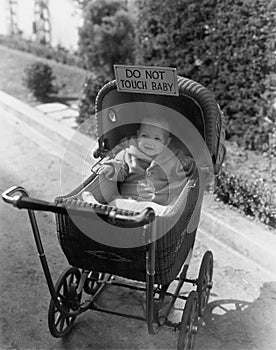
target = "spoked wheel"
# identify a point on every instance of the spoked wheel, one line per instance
(204, 282)
(92, 284)
(189, 323)
(61, 320)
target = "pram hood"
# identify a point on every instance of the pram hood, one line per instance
(194, 116)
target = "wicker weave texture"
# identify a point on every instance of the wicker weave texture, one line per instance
(171, 249)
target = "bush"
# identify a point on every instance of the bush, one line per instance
(39, 79)
(225, 45)
(254, 199)
(92, 85)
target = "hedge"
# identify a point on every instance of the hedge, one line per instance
(253, 199)
(226, 45)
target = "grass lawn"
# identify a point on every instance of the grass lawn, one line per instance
(12, 65)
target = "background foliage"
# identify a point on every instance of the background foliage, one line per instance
(107, 36)
(92, 86)
(253, 198)
(59, 54)
(225, 45)
(38, 78)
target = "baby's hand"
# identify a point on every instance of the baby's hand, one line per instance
(106, 170)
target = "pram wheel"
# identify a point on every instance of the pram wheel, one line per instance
(204, 282)
(61, 321)
(189, 323)
(92, 284)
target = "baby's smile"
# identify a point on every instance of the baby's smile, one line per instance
(149, 146)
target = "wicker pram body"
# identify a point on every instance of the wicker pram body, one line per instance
(194, 103)
(87, 253)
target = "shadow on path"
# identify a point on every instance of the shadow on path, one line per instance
(239, 325)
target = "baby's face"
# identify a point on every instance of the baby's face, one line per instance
(152, 139)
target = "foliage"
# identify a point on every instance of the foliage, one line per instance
(107, 36)
(225, 45)
(92, 85)
(254, 199)
(38, 77)
(82, 3)
(59, 54)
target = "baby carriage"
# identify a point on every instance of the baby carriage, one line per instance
(102, 242)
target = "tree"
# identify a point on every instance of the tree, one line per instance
(107, 36)
(82, 3)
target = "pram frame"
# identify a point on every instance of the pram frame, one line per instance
(155, 316)
(153, 305)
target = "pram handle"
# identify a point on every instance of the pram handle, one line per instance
(145, 217)
(8, 195)
(23, 201)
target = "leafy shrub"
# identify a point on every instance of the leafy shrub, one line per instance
(92, 85)
(107, 36)
(226, 45)
(254, 199)
(38, 77)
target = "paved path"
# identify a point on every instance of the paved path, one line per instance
(241, 315)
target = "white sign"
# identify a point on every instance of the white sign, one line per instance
(148, 80)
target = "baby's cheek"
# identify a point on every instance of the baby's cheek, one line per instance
(140, 144)
(159, 147)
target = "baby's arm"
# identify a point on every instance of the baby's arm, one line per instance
(180, 174)
(115, 169)
(107, 170)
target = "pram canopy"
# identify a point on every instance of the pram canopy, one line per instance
(119, 113)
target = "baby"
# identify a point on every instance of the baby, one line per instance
(146, 169)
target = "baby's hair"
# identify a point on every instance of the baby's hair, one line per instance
(159, 121)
